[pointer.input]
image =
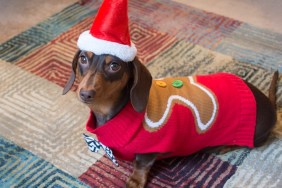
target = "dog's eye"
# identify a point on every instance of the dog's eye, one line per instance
(83, 59)
(114, 66)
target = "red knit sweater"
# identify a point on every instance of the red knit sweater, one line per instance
(204, 111)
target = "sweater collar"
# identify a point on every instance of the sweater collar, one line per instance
(118, 131)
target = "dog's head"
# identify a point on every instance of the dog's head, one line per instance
(103, 79)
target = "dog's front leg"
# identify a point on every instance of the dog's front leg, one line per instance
(141, 168)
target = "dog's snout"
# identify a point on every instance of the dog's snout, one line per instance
(87, 95)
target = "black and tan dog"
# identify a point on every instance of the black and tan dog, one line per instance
(107, 85)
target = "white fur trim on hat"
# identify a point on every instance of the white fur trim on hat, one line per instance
(98, 46)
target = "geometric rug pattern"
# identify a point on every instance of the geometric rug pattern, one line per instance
(20, 168)
(41, 142)
(206, 171)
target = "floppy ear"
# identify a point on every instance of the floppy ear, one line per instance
(73, 73)
(140, 89)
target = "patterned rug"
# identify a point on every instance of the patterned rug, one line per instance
(41, 142)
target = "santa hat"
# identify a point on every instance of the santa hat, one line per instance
(109, 33)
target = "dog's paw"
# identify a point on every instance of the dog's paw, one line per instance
(134, 183)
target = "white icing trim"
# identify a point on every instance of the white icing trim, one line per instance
(200, 124)
(98, 46)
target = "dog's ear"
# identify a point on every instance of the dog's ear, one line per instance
(73, 73)
(140, 89)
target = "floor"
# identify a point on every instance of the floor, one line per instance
(261, 13)
(18, 15)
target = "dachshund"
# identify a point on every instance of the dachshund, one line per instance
(108, 85)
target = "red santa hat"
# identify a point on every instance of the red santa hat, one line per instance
(109, 33)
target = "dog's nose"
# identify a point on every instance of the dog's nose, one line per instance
(86, 95)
